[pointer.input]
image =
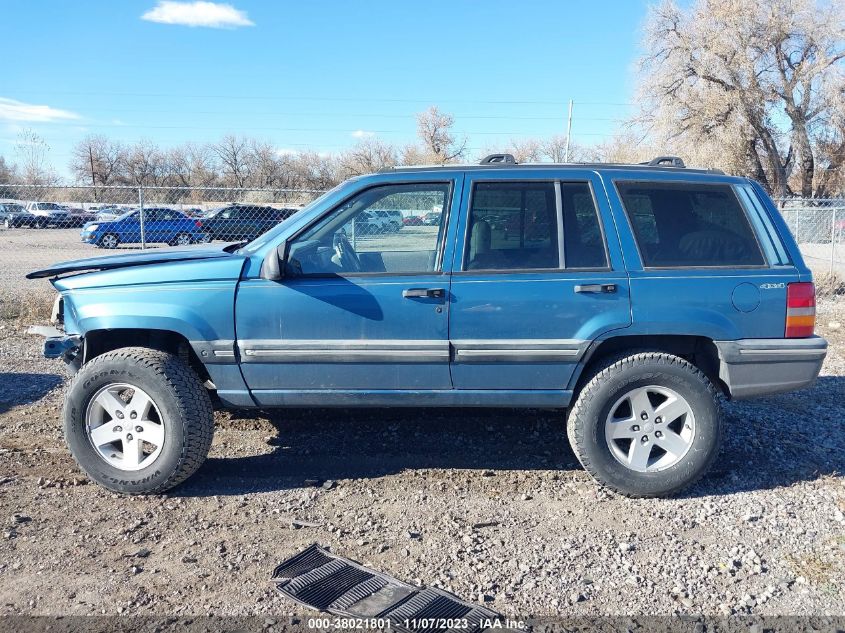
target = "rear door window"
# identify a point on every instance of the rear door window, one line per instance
(513, 226)
(683, 225)
(518, 226)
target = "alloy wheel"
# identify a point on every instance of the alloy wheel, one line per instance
(650, 428)
(124, 426)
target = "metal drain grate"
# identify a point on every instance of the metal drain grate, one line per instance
(318, 579)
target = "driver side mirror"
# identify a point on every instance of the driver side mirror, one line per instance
(274, 264)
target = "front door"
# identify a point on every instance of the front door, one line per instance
(357, 311)
(534, 281)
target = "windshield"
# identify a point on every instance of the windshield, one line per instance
(270, 235)
(50, 206)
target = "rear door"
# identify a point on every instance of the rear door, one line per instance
(705, 258)
(537, 276)
(163, 225)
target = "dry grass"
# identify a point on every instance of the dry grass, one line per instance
(829, 285)
(25, 309)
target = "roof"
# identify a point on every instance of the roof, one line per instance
(598, 166)
(666, 164)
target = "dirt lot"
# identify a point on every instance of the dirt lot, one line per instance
(490, 505)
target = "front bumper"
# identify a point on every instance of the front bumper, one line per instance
(754, 367)
(57, 344)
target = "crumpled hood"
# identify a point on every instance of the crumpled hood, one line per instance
(138, 258)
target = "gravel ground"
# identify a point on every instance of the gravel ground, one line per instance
(489, 504)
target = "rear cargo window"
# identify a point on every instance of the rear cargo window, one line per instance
(772, 244)
(679, 225)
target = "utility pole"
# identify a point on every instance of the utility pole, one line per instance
(568, 134)
(93, 180)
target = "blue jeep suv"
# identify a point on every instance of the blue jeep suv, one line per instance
(631, 296)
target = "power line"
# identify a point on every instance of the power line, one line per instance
(222, 127)
(325, 98)
(336, 114)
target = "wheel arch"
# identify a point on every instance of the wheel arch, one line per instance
(100, 341)
(701, 351)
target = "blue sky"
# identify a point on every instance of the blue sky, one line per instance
(314, 75)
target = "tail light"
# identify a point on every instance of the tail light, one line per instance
(800, 310)
(198, 223)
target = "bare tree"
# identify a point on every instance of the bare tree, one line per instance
(234, 156)
(368, 156)
(32, 152)
(97, 160)
(8, 172)
(439, 144)
(268, 168)
(526, 150)
(749, 83)
(144, 164)
(316, 171)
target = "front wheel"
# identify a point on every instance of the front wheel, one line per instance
(138, 421)
(109, 240)
(646, 425)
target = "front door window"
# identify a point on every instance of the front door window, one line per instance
(368, 234)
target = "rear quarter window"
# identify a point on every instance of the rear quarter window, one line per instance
(682, 225)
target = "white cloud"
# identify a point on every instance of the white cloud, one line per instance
(362, 134)
(216, 15)
(12, 110)
(286, 151)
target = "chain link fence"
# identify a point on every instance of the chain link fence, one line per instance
(819, 228)
(143, 217)
(115, 217)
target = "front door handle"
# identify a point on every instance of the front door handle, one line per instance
(424, 293)
(596, 288)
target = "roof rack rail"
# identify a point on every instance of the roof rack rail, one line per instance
(491, 159)
(665, 161)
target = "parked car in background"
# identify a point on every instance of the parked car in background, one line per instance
(394, 219)
(78, 217)
(14, 215)
(104, 214)
(160, 225)
(369, 223)
(48, 214)
(413, 220)
(243, 221)
(432, 219)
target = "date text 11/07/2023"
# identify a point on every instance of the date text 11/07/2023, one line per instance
(415, 623)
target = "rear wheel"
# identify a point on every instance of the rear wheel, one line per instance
(138, 421)
(646, 425)
(40, 223)
(109, 240)
(183, 239)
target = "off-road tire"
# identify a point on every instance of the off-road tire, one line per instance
(180, 396)
(612, 379)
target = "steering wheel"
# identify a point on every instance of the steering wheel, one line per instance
(349, 261)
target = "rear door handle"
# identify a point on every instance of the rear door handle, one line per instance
(596, 288)
(424, 293)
